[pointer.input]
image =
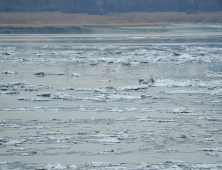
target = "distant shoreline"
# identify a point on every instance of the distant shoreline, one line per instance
(74, 29)
(57, 22)
(95, 29)
(41, 30)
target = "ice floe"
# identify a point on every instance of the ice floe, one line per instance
(45, 94)
(56, 166)
(99, 164)
(39, 74)
(9, 72)
(139, 87)
(213, 74)
(186, 83)
(33, 99)
(61, 96)
(57, 74)
(75, 75)
(104, 140)
(149, 81)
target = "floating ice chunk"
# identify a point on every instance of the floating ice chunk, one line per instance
(183, 112)
(12, 84)
(82, 133)
(217, 92)
(147, 130)
(99, 164)
(171, 161)
(131, 109)
(180, 83)
(146, 96)
(139, 87)
(121, 119)
(45, 94)
(144, 61)
(215, 118)
(93, 64)
(106, 152)
(123, 136)
(143, 165)
(145, 120)
(6, 53)
(75, 74)
(14, 142)
(180, 110)
(10, 92)
(56, 166)
(215, 101)
(33, 99)
(57, 74)
(143, 117)
(121, 97)
(9, 72)
(176, 54)
(99, 136)
(39, 74)
(121, 132)
(155, 167)
(210, 149)
(83, 89)
(213, 74)
(115, 109)
(104, 140)
(99, 99)
(25, 154)
(59, 147)
(51, 133)
(11, 126)
(164, 120)
(61, 96)
(115, 168)
(185, 92)
(204, 166)
(23, 98)
(209, 139)
(126, 63)
(3, 163)
(18, 149)
(32, 127)
(68, 88)
(189, 114)
(213, 130)
(59, 139)
(204, 134)
(104, 81)
(73, 167)
(215, 154)
(34, 87)
(101, 90)
(92, 118)
(146, 81)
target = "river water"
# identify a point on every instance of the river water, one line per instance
(118, 98)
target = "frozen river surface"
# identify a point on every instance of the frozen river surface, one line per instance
(133, 98)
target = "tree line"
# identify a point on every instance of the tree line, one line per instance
(111, 6)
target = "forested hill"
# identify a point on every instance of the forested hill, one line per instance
(111, 6)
